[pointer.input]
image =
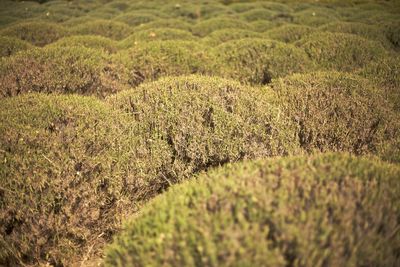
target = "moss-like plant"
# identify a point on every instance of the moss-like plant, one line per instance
(186, 10)
(60, 70)
(315, 16)
(289, 33)
(263, 26)
(136, 18)
(165, 23)
(11, 45)
(152, 60)
(89, 41)
(258, 14)
(331, 209)
(189, 124)
(208, 26)
(273, 6)
(156, 34)
(61, 178)
(257, 61)
(336, 111)
(225, 35)
(35, 32)
(341, 51)
(106, 28)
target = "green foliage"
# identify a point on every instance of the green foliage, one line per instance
(61, 178)
(206, 27)
(323, 210)
(89, 41)
(262, 25)
(156, 34)
(165, 23)
(35, 32)
(191, 123)
(257, 61)
(11, 45)
(341, 51)
(186, 10)
(152, 60)
(336, 111)
(60, 70)
(136, 18)
(258, 14)
(273, 6)
(225, 35)
(106, 28)
(315, 16)
(392, 31)
(289, 33)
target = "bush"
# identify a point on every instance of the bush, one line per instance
(341, 51)
(258, 14)
(186, 11)
(393, 33)
(289, 33)
(60, 70)
(244, 7)
(328, 209)
(206, 27)
(89, 41)
(262, 25)
(106, 28)
(257, 61)
(136, 18)
(371, 32)
(165, 23)
(61, 178)
(189, 124)
(157, 34)
(225, 35)
(315, 16)
(35, 32)
(11, 45)
(150, 61)
(336, 111)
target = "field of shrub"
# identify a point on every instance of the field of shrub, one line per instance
(200, 133)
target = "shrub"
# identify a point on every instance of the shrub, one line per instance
(244, 7)
(341, 51)
(186, 11)
(258, 14)
(6, 21)
(189, 124)
(35, 32)
(371, 32)
(289, 33)
(328, 209)
(94, 41)
(225, 35)
(106, 28)
(60, 70)
(61, 178)
(157, 34)
(208, 26)
(257, 61)
(262, 25)
(211, 10)
(150, 61)
(393, 33)
(136, 18)
(11, 45)
(336, 111)
(315, 16)
(165, 23)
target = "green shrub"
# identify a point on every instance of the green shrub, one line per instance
(273, 6)
(61, 178)
(393, 33)
(11, 45)
(157, 34)
(336, 111)
(258, 14)
(106, 28)
(35, 32)
(373, 17)
(206, 27)
(7, 20)
(165, 23)
(225, 35)
(262, 25)
(136, 18)
(187, 11)
(89, 41)
(152, 60)
(60, 70)
(341, 51)
(257, 61)
(189, 124)
(315, 16)
(324, 210)
(213, 10)
(289, 33)
(372, 32)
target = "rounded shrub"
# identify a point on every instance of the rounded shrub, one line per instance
(152, 60)
(191, 123)
(273, 6)
(106, 28)
(336, 111)
(341, 51)
(225, 35)
(61, 178)
(372, 32)
(11, 45)
(212, 10)
(262, 25)
(35, 32)
(206, 27)
(186, 10)
(315, 16)
(258, 61)
(60, 70)
(258, 14)
(157, 34)
(289, 33)
(89, 41)
(136, 18)
(165, 23)
(331, 209)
